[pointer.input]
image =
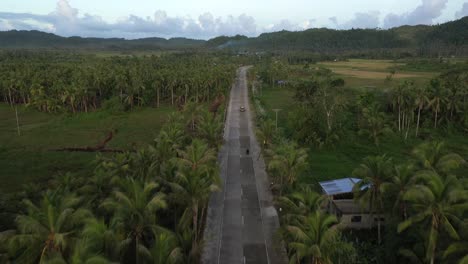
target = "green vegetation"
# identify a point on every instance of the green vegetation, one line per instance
(30, 157)
(405, 138)
(406, 41)
(142, 206)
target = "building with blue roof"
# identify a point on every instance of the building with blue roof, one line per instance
(340, 202)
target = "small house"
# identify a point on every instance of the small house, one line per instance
(341, 203)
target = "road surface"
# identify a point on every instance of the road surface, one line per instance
(241, 220)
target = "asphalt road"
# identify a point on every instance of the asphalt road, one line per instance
(241, 221)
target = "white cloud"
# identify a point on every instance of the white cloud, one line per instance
(463, 12)
(66, 20)
(422, 14)
(363, 20)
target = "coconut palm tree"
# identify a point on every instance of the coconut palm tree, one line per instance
(438, 203)
(397, 101)
(431, 156)
(84, 253)
(192, 112)
(400, 181)
(266, 132)
(210, 129)
(197, 156)
(100, 238)
(420, 102)
(374, 124)
(135, 206)
(373, 172)
(288, 161)
(300, 203)
(166, 249)
(48, 229)
(311, 238)
(458, 250)
(436, 99)
(195, 181)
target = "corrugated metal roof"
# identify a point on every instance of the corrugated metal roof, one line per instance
(339, 186)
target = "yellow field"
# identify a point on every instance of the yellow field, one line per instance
(372, 65)
(380, 74)
(372, 70)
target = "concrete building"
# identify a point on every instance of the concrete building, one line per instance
(341, 203)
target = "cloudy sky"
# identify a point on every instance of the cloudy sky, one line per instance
(203, 19)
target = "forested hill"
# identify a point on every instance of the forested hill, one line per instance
(35, 39)
(445, 39)
(449, 38)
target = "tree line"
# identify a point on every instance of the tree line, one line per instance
(79, 83)
(326, 111)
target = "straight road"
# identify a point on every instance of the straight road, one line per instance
(241, 220)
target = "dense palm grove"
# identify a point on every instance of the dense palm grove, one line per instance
(424, 199)
(57, 82)
(145, 205)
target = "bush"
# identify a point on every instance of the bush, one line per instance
(114, 105)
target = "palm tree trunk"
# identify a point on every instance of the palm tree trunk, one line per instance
(172, 95)
(378, 230)
(136, 251)
(399, 117)
(158, 97)
(195, 224)
(417, 123)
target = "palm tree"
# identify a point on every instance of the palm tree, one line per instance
(84, 253)
(420, 102)
(289, 161)
(266, 132)
(197, 156)
(192, 111)
(210, 129)
(48, 229)
(431, 156)
(166, 250)
(100, 238)
(458, 249)
(135, 208)
(195, 181)
(374, 123)
(374, 172)
(397, 100)
(312, 237)
(300, 203)
(436, 99)
(398, 184)
(438, 202)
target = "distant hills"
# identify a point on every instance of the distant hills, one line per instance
(445, 39)
(40, 40)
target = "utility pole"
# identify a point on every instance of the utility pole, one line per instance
(276, 112)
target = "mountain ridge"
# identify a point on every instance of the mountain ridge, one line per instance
(450, 37)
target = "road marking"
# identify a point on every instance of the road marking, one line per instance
(244, 260)
(242, 220)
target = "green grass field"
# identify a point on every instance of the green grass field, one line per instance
(28, 158)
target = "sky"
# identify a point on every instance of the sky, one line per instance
(204, 19)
